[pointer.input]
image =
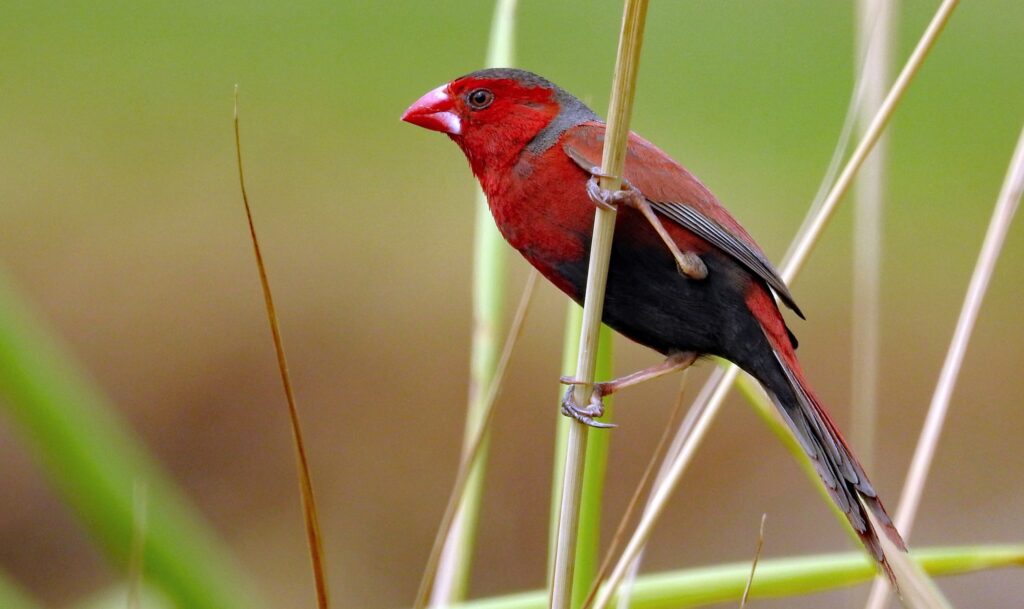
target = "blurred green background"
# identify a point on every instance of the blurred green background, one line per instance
(122, 223)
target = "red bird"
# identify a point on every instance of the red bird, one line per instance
(695, 285)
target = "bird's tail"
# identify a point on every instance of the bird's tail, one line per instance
(831, 455)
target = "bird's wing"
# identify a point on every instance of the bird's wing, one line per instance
(677, 195)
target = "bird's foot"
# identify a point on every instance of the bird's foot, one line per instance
(584, 414)
(688, 263)
(611, 199)
(691, 265)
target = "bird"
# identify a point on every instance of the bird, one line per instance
(684, 279)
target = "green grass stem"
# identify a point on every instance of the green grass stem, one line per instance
(489, 279)
(595, 466)
(471, 455)
(779, 577)
(13, 597)
(115, 597)
(799, 252)
(93, 459)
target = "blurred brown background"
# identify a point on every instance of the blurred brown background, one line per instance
(122, 223)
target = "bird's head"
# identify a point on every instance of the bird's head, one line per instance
(494, 114)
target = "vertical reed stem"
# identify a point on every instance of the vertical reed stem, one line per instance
(594, 468)
(794, 262)
(910, 499)
(612, 163)
(874, 45)
(489, 278)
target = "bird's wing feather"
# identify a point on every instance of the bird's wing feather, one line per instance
(679, 196)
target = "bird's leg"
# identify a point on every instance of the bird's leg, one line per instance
(689, 263)
(595, 409)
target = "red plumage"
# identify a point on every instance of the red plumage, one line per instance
(534, 147)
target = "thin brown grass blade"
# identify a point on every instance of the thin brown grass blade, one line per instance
(753, 565)
(472, 454)
(641, 488)
(316, 552)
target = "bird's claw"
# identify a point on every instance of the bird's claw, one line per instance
(688, 263)
(600, 197)
(611, 199)
(597, 172)
(584, 414)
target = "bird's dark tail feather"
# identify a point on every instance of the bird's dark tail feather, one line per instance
(834, 461)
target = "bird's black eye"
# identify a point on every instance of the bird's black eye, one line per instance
(478, 99)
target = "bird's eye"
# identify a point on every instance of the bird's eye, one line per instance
(478, 99)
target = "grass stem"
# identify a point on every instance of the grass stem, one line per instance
(13, 597)
(807, 240)
(875, 20)
(136, 565)
(474, 452)
(776, 578)
(93, 459)
(753, 564)
(995, 236)
(595, 467)
(804, 244)
(634, 502)
(312, 521)
(612, 163)
(489, 278)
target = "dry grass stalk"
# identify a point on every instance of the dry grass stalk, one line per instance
(472, 454)
(612, 163)
(313, 537)
(799, 253)
(875, 25)
(753, 565)
(995, 236)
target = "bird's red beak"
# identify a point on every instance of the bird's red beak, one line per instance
(434, 111)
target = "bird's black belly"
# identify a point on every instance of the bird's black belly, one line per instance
(649, 301)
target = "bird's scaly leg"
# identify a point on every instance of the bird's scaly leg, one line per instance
(595, 409)
(689, 263)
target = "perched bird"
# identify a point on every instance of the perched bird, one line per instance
(685, 279)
